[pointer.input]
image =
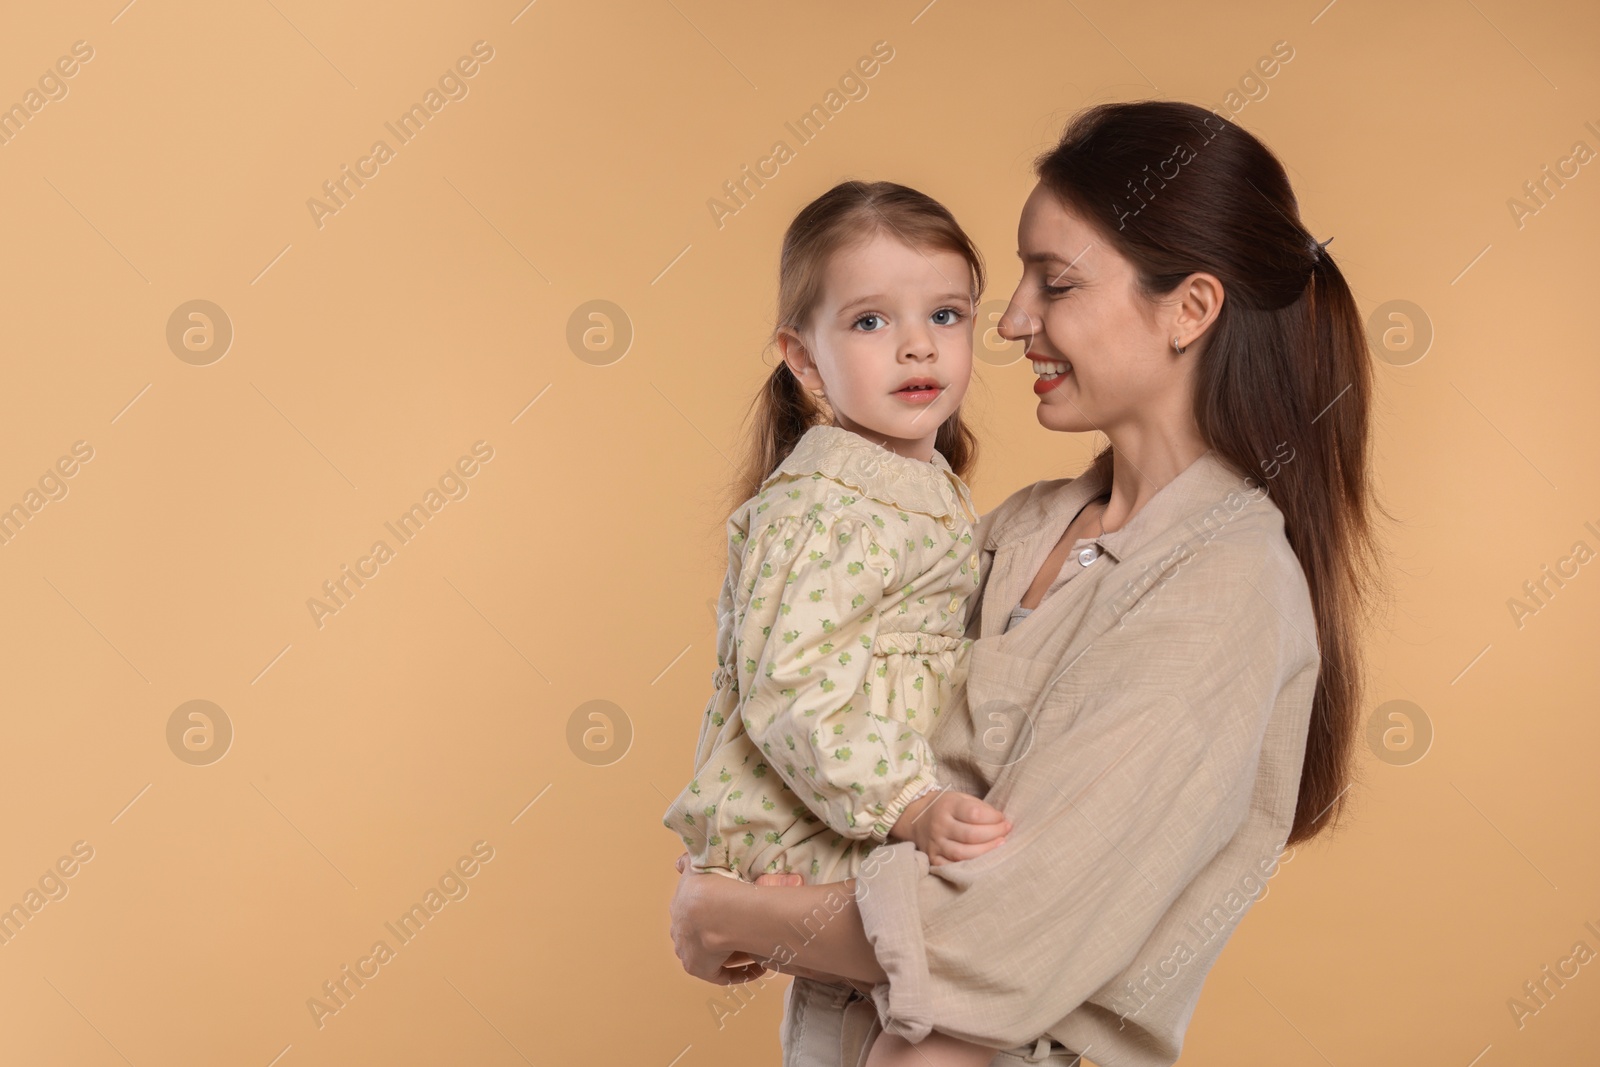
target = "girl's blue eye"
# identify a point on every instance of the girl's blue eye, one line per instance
(864, 318)
(952, 311)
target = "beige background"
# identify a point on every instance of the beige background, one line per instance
(431, 311)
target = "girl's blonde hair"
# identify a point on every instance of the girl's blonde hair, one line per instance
(849, 214)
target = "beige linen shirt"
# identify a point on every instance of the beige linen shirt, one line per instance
(1144, 730)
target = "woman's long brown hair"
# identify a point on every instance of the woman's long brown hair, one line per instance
(1177, 189)
(850, 213)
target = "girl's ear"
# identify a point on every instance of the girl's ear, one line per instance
(799, 359)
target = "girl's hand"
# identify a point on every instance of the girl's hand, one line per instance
(950, 825)
(698, 901)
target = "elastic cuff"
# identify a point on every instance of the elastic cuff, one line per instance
(891, 917)
(897, 806)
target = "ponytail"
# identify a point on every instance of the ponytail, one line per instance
(1283, 380)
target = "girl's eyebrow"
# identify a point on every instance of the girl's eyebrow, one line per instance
(877, 298)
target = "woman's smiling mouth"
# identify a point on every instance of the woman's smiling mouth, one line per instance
(1051, 374)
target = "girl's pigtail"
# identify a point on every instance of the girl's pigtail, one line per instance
(782, 414)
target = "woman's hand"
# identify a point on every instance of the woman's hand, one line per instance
(697, 902)
(705, 949)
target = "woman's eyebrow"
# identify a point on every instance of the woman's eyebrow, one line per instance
(1046, 257)
(1053, 262)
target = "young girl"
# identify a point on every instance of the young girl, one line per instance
(841, 622)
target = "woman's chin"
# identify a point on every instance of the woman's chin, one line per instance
(1064, 419)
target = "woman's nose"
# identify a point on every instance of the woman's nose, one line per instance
(1014, 324)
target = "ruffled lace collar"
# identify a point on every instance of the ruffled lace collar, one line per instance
(931, 488)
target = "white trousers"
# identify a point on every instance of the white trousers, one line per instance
(826, 1025)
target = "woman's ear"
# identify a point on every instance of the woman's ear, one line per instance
(1200, 299)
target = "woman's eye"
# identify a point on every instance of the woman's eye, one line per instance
(1055, 290)
(864, 318)
(955, 316)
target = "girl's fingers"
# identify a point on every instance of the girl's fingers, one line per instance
(967, 852)
(971, 809)
(971, 833)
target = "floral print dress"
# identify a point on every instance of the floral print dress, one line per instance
(839, 644)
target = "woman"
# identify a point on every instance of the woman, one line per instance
(1165, 682)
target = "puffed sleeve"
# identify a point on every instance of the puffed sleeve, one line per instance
(1127, 792)
(808, 634)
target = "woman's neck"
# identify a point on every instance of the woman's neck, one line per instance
(1140, 471)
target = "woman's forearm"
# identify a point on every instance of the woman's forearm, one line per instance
(816, 926)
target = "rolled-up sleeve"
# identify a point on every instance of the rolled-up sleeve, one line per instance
(1125, 795)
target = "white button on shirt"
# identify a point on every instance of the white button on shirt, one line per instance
(1086, 552)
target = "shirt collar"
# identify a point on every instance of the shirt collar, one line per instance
(1052, 504)
(930, 488)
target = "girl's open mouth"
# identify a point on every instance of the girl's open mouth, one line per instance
(919, 394)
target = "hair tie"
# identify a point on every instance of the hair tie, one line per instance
(1315, 247)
